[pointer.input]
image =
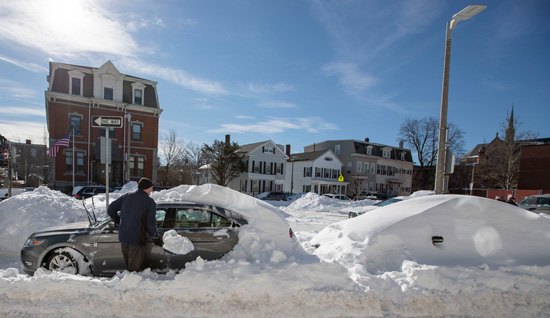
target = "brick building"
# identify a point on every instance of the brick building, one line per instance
(534, 166)
(77, 93)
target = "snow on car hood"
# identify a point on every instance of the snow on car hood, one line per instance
(474, 230)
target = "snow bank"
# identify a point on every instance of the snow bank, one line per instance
(25, 213)
(317, 203)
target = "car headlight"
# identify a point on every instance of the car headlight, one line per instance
(33, 242)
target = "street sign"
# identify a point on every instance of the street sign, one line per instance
(341, 178)
(107, 121)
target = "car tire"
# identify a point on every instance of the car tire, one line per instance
(61, 260)
(352, 215)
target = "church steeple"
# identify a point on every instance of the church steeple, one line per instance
(511, 130)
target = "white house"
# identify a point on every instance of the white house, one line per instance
(316, 171)
(265, 168)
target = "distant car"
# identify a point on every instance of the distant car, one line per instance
(353, 214)
(79, 248)
(337, 196)
(84, 192)
(273, 196)
(536, 203)
(364, 196)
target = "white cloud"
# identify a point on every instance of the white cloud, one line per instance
(33, 130)
(14, 90)
(277, 125)
(276, 104)
(22, 111)
(269, 88)
(28, 66)
(65, 28)
(350, 77)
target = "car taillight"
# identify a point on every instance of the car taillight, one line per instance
(76, 196)
(290, 233)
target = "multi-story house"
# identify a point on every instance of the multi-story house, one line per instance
(76, 94)
(265, 168)
(371, 167)
(315, 171)
(29, 163)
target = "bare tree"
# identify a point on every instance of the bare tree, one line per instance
(422, 136)
(499, 167)
(226, 163)
(171, 152)
(194, 160)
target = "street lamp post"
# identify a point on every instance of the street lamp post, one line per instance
(440, 178)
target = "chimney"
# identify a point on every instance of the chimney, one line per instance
(367, 139)
(288, 150)
(401, 144)
(28, 141)
(227, 139)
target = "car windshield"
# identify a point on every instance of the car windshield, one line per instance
(387, 202)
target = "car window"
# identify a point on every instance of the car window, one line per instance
(220, 221)
(192, 218)
(543, 201)
(160, 217)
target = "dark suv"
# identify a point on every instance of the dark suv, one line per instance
(536, 203)
(79, 248)
(273, 196)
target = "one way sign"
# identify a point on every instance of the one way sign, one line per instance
(107, 121)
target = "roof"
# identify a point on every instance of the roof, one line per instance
(307, 156)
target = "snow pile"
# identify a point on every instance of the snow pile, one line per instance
(315, 203)
(377, 266)
(25, 213)
(176, 244)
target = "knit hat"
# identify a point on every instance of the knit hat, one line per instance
(144, 183)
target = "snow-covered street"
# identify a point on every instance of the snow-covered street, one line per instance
(300, 284)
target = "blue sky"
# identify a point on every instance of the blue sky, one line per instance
(293, 71)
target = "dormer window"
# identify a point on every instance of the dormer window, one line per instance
(402, 156)
(108, 93)
(369, 150)
(137, 93)
(76, 78)
(386, 153)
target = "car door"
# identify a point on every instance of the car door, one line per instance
(212, 235)
(108, 259)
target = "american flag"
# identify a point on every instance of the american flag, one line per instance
(63, 142)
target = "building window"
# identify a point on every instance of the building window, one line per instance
(75, 124)
(402, 156)
(307, 171)
(369, 150)
(69, 161)
(359, 166)
(111, 132)
(307, 188)
(337, 149)
(137, 93)
(386, 153)
(76, 78)
(372, 168)
(349, 167)
(136, 132)
(108, 93)
(140, 166)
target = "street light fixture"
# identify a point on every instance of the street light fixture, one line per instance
(441, 185)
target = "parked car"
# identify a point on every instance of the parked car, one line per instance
(536, 203)
(353, 214)
(337, 196)
(365, 196)
(79, 248)
(273, 196)
(84, 192)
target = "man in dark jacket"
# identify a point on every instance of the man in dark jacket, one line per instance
(137, 221)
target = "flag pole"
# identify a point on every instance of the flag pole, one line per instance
(72, 132)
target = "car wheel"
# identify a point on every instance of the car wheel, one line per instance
(352, 215)
(62, 261)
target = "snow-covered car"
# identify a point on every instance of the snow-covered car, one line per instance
(447, 230)
(212, 218)
(357, 212)
(337, 196)
(79, 247)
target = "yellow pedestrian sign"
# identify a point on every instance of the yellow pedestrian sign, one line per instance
(341, 178)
